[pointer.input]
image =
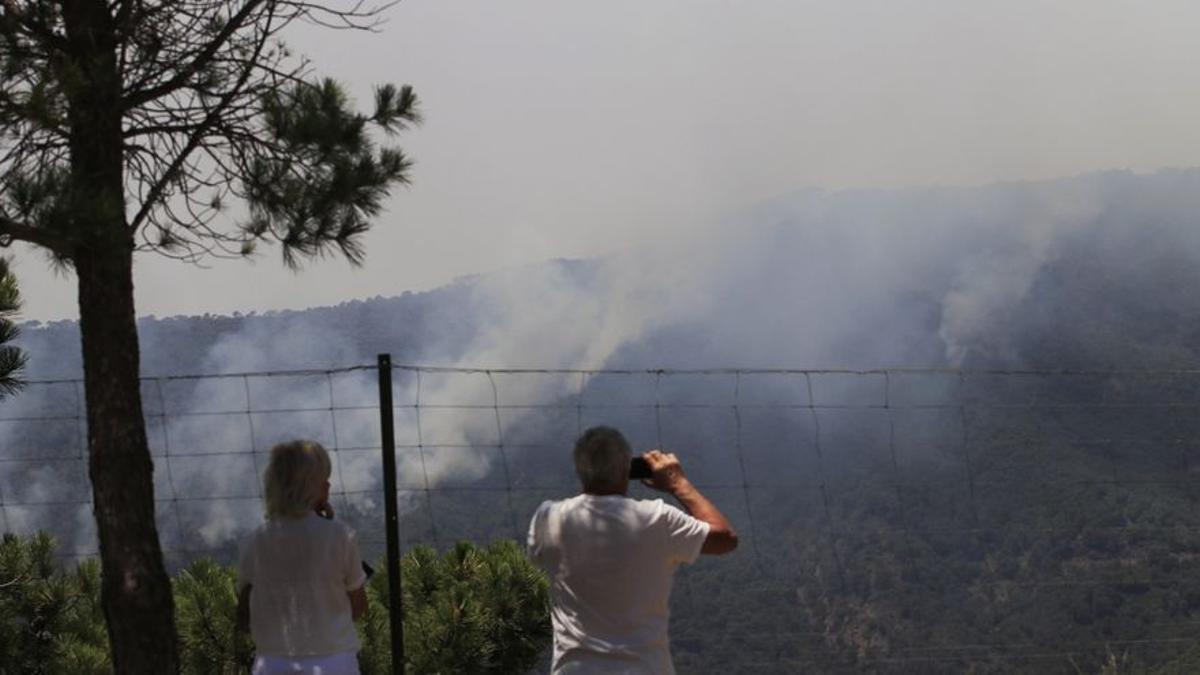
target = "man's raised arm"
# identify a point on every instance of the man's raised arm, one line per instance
(667, 475)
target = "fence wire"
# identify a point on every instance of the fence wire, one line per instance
(987, 489)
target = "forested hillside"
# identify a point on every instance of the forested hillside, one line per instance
(1025, 502)
(349, 333)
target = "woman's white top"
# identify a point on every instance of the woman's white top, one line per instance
(300, 571)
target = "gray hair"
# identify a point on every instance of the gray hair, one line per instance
(294, 478)
(602, 458)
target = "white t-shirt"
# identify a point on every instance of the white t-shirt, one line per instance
(611, 560)
(301, 570)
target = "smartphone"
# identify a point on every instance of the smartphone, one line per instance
(639, 468)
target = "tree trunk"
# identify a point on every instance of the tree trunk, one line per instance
(136, 591)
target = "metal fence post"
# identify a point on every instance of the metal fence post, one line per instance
(391, 511)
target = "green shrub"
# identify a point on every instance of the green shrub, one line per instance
(470, 610)
(206, 617)
(50, 619)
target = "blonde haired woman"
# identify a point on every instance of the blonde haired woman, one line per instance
(300, 576)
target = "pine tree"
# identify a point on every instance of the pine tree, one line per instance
(206, 603)
(130, 126)
(470, 610)
(12, 359)
(50, 620)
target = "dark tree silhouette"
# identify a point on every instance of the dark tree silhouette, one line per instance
(12, 359)
(128, 125)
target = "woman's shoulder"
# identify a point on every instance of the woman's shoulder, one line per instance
(333, 528)
(307, 526)
(249, 538)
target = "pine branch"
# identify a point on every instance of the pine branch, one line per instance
(135, 98)
(197, 135)
(11, 230)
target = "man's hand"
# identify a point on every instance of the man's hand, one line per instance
(666, 473)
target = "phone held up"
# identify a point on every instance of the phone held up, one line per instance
(639, 468)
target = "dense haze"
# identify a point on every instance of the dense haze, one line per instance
(992, 276)
(1096, 271)
(569, 129)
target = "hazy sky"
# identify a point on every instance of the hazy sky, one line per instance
(565, 129)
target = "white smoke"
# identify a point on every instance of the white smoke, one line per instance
(812, 280)
(992, 280)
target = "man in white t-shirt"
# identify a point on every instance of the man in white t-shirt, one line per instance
(611, 558)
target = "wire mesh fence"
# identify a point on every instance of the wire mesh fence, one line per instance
(891, 520)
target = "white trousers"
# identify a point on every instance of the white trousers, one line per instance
(345, 663)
